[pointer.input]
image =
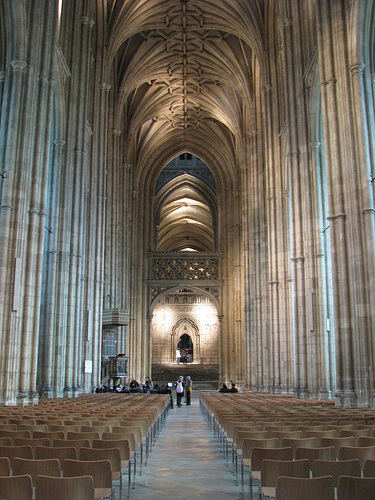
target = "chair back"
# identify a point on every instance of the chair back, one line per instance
(337, 442)
(33, 468)
(358, 488)
(336, 469)
(111, 454)
(76, 443)
(5, 441)
(369, 470)
(46, 452)
(65, 488)
(16, 488)
(4, 466)
(294, 443)
(312, 454)
(121, 444)
(363, 453)
(16, 451)
(13, 434)
(271, 470)
(33, 442)
(99, 470)
(260, 454)
(293, 488)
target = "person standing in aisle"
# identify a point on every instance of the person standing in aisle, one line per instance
(188, 389)
(179, 389)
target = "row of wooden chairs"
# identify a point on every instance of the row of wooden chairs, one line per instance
(90, 429)
(304, 430)
(47, 487)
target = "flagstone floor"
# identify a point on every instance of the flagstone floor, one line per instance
(185, 462)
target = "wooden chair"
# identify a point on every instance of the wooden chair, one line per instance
(247, 450)
(49, 434)
(83, 435)
(14, 434)
(47, 452)
(363, 453)
(312, 454)
(64, 428)
(130, 438)
(4, 466)
(16, 487)
(76, 443)
(320, 434)
(64, 488)
(5, 441)
(16, 451)
(123, 446)
(366, 441)
(111, 454)
(271, 470)
(293, 488)
(8, 427)
(286, 434)
(337, 442)
(99, 470)
(33, 468)
(358, 488)
(260, 454)
(369, 470)
(294, 443)
(33, 427)
(33, 442)
(336, 469)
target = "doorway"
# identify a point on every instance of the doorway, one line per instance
(186, 349)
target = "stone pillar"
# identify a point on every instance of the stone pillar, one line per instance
(335, 151)
(9, 339)
(361, 98)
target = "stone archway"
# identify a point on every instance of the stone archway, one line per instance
(188, 328)
(193, 315)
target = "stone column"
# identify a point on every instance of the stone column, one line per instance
(334, 151)
(322, 354)
(9, 341)
(361, 100)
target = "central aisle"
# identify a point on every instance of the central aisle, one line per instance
(185, 462)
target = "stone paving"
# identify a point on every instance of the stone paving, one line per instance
(185, 462)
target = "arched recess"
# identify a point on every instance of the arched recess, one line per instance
(191, 310)
(201, 205)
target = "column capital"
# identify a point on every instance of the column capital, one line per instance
(357, 67)
(18, 65)
(59, 143)
(314, 145)
(286, 23)
(104, 86)
(86, 21)
(116, 132)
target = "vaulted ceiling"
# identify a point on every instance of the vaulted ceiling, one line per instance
(184, 71)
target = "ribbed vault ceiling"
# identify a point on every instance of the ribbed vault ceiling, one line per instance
(184, 71)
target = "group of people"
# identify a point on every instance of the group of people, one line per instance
(225, 388)
(135, 387)
(183, 387)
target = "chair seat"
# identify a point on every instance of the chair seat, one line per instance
(102, 493)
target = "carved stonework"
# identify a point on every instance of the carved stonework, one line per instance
(185, 266)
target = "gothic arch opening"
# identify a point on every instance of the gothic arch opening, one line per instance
(185, 325)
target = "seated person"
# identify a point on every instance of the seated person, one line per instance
(224, 388)
(233, 387)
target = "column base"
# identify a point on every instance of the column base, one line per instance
(325, 394)
(301, 393)
(27, 398)
(346, 399)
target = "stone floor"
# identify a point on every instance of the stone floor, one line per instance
(185, 462)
